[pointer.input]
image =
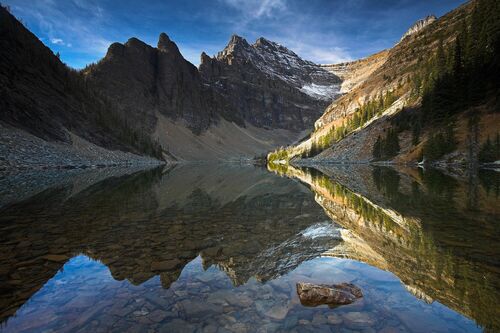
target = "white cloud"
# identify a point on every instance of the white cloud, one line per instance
(254, 9)
(329, 55)
(57, 41)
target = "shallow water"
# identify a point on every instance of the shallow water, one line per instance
(218, 248)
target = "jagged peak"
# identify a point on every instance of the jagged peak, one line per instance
(419, 25)
(204, 58)
(135, 42)
(166, 44)
(262, 42)
(115, 48)
(235, 40)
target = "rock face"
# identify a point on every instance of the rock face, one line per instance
(389, 72)
(336, 294)
(270, 85)
(355, 72)
(146, 81)
(264, 84)
(42, 96)
(419, 25)
(246, 101)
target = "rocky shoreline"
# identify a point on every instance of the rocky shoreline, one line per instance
(20, 150)
(435, 165)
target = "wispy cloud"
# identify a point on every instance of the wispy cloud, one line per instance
(323, 31)
(254, 9)
(72, 23)
(57, 41)
(300, 31)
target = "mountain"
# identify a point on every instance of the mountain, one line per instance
(432, 97)
(246, 101)
(354, 73)
(419, 25)
(146, 82)
(150, 101)
(270, 85)
(49, 116)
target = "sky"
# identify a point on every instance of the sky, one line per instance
(323, 31)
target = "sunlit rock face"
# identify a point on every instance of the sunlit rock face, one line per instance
(401, 221)
(419, 25)
(246, 221)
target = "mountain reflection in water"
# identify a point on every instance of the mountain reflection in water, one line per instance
(201, 247)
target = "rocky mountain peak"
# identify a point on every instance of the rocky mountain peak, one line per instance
(419, 25)
(136, 43)
(165, 44)
(265, 44)
(204, 58)
(237, 40)
(261, 41)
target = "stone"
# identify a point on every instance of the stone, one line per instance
(334, 319)
(358, 319)
(277, 312)
(140, 313)
(158, 315)
(211, 328)
(336, 294)
(177, 325)
(319, 319)
(194, 308)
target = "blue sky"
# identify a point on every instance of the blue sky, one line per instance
(324, 31)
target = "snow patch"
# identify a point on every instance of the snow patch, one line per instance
(327, 92)
(323, 229)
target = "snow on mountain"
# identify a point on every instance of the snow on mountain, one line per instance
(330, 92)
(276, 60)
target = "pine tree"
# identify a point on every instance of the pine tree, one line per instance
(376, 152)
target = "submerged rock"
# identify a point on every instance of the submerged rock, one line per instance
(335, 294)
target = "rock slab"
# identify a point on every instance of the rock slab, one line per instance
(332, 295)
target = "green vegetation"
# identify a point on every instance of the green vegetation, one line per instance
(461, 74)
(387, 147)
(356, 202)
(440, 144)
(490, 150)
(278, 155)
(359, 118)
(464, 72)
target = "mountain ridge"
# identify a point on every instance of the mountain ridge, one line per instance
(369, 116)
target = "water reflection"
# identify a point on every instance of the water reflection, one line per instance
(437, 233)
(211, 247)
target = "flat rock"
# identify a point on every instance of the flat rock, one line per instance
(335, 294)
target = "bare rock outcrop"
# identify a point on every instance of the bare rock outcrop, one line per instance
(332, 295)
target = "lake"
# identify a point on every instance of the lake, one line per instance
(220, 248)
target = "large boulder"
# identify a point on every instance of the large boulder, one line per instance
(332, 295)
